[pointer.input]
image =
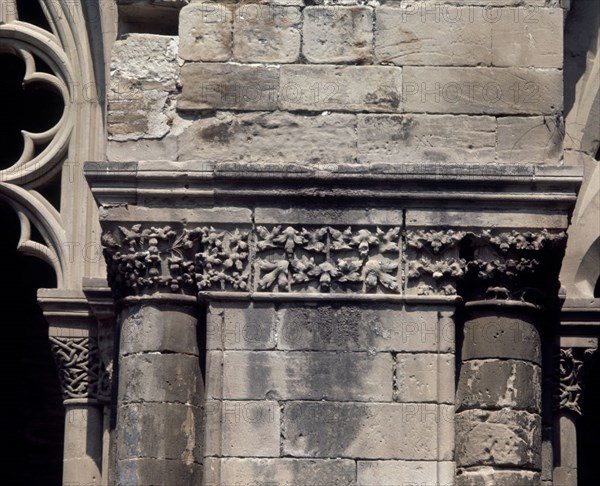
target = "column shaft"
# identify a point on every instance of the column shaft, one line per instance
(161, 388)
(498, 424)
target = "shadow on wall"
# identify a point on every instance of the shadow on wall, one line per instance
(33, 419)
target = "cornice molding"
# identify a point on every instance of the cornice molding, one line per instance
(189, 182)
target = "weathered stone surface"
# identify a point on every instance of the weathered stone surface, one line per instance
(148, 59)
(361, 430)
(336, 34)
(364, 328)
(156, 377)
(143, 149)
(266, 33)
(160, 430)
(241, 326)
(527, 37)
(486, 475)
(341, 88)
(205, 32)
(492, 336)
(153, 328)
(530, 140)
(433, 35)
(307, 375)
(271, 137)
(424, 378)
(146, 471)
(391, 473)
(245, 429)
(481, 90)
(498, 438)
(228, 86)
(497, 384)
(144, 74)
(432, 138)
(335, 472)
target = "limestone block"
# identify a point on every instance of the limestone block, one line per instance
(341, 88)
(482, 90)
(160, 430)
(150, 328)
(530, 140)
(502, 337)
(433, 138)
(424, 378)
(441, 35)
(160, 377)
(307, 376)
(364, 328)
(151, 471)
(337, 34)
(228, 86)
(241, 326)
(266, 33)
(244, 429)
(388, 473)
(205, 32)
(148, 59)
(143, 149)
(498, 438)
(335, 472)
(271, 137)
(484, 476)
(370, 431)
(527, 36)
(498, 384)
(144, 73)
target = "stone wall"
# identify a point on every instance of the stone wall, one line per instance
(345, 83)
(357, 387)
(329, 394)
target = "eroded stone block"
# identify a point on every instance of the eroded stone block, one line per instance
(482, 90)
(432, 138)
(430, 35)
(228, 86)
(498, 438)
(341, 88)
(336, 34)
(205, 32)
(266, 33)
(307, 375)
(272, 137)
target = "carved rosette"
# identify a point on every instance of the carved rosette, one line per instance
(324, 259)
(81, 372)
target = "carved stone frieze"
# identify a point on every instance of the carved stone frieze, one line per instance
(81, 372)
(297, 258)
(484, 263)
(151, 259)
(320, 259)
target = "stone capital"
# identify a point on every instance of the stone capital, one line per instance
(485, 263)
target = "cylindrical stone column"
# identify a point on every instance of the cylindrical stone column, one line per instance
(498, 420)
(160, 392)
